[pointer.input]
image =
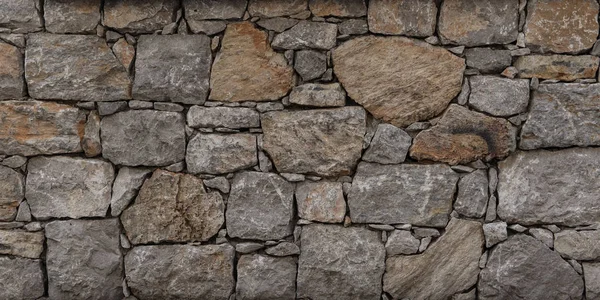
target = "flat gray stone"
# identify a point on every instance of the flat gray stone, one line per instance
(210, 9)
(221, 116)
(139, 17)
(269, 9)
(125, 188)
(488, 60)
(109, 108)
(90, 143)
(321, 201)
(283, 249)
(401, 242)
(499, 96)
(472, 198)
(591, 274)
(21, 243)
(21, 16)
(12, 192)
(389, 145)
(71, 16)
(410, 18)
(318, 95)
(307, 34)
(353, 27)
(12, 85)
(494, 233)
(579, 245)
(310, 64)
(221, 154)
(264, 277)
(21, 278)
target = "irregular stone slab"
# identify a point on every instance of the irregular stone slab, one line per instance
(283, 249)
(209, 9)
(472, 198)
(494, 233)
(277, 24)
(474, 23)
(404, 17)
(84, 259)
(158, 138)
(21, 243)
(321, 201)
(246, 64)
(337, 262)
(260, 206)
(524, 268)
(221, 116)
(68, 187)
(388, 146)
(561, 27)
(271, 8)
(390, 194)
(353, 27)
(139, 16)
(21, 16)
(192, 272)
(159, 71)
(563, 115)
(488, 60)
(324, 142)
(579, 245)
(12, 85)
(418, 88)
(12, 190)
(559, 67)
(401, 242)
(338, 8)
(220, 154)
(125, 188)
(499, 96)
(462, 136)
(21, 278)
(591, 274)
(310, 64)
(426, 276)
(265, 277)
(319, 95)
(71, 16)
(543, 187)
(307, 34)
(95, 73)
(90, 143)
(173, 207)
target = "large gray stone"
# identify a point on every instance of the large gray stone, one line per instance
(68, 187)
(390, 194)
(21, 278)
(319, 95)
(12, 85)
(138, 16)
(340, 263)
(21, 16)
(591, 273)
(264, 277)
(125, 188)
(524, 268)
(211, 9)
(389, 145)
(221, 116)
(84, 260)
(71, 16)
(498, 96)
(307, 34)
(579, 245)
(170, 272)
(12, 192)
(143, 137)
(21, 243)
(543, 187)
(472, 198)
(220, 154)
(488, 60)
(321, 201)
(404, 17)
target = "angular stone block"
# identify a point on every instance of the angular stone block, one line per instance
(12, 85)
(21, 278)
(404, 17)
(71, 16)
(338, 8)
(307, 34)
(559, 67)
(21, 16)
(270, 8)
(228, 117)
(498, 96)
(221, 154)
(264, 277)
(21, 243)
(321, 201)
(12, 192)
(210, 9)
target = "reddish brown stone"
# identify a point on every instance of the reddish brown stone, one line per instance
(124, 53)
(11, 72)
(560, 67)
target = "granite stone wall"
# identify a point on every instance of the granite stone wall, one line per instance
(299, 149)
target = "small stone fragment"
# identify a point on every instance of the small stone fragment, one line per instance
(124, 53)
(277, 24)
(494, 233)
(579, 245)
(499, 96)
(12, 85)
(125, 188)
(220, 154)
(283, 249)
(509, 72)
(310, 64)
(12, 192)
(389, 145)
(488, 60)
(544, 235)
(423, 232)
(490, 213)
(560, 67)
(138, 16)
(292, 177)
(405, 17)
(353, 27)
(70, 16)
(23, 213)
(401, 242)
(248, 247)
(90, 143)
(207, 27)
(109, 108)
(229, 117)
(264, 277)
(166, 106)
(21, 243)
(220, 183)
(22, 278)
(321, 201)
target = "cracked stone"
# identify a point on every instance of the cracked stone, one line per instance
(139, 16)
(125, 188)
(321, 201)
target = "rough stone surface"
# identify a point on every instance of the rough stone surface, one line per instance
(275, 8)
(219, 154)
(21, 278)
(389, 145)
(12, 85)
(210, 9)
(62, 186)
(401, 80)
(283, 249)
(124, 53)
(321, 201)
(307, 34)
(488, 60)
(404, 17)
(579, 245)
(401, 242)
(138, 16)
(319, 95)
(472, 198)
(390, 194)
(449, 266)
(12, 191)
(338, 8)
(229, 117)
(21, 16)
(264, 277)
(524, 268)
(544, 235)
(559, 67)
(125, 188)
(90, 143)
(71, 16)
(591, 272)
(173, 207)
(494, 233)
(277, 24)
(21, 243)
(499, 96)
(310, 64)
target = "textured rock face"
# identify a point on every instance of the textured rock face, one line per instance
(472, 198)
(389, 145)
(220, 154)
(158, 75)
(173, 207)
(158, 138)
(392, 194)
(76, 272)
(209, 9)
(228, 117)
(203, 272)
(541, 187)
(488, 60)
(524, 268)
(338, 262)
(12, 190)
(70, 16)
(426, 276)
(563, 115)
(20, 243)
(246, 64)
(559, 67)
(334, 137)
(310, 64)
(401, 80)
(265, 277)
(22, 278)
(579, 245)
(125, 188)
(321, 201)
(138, 16)
(404, 17)
(319, 95)
(591, 272)
(95, 73)
(61, 186)
(11, 74)
(499, 96)
(307, 34)
(338, 8)
(401, 242)
(21, 16)
(276, 8)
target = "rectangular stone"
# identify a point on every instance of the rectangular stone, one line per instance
(228, 117)
(21, 16)
(318, 95)
(139, 16)
(72, 16)
(12, 85)
(221, 154)
(559, 67)
(403, 17)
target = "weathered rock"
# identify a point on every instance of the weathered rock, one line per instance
(561, 27)
(193, 272)
(159, 74)
(405, 17)
(319, 95)
(173, 207)
(325, 142)
(125, 188)
(274, 8)
(494, 233)
(207, 27)
(307, 34)
(499, 96)
(401, 242)
(71, 16)
(12, 85)
(338, 8)
(210, 9)
(246, 64)
(390, 194)
(264, 277)
(321, 201)
(277, 24)
(488, 60)
(12, 190)
(353, 27)
(90, 143)
(543, 235)
(388, 146)
(427, 276)
(124, 53)
(563, 115)
(220, 154)
(472, 198)
(220, 183)
(559, 67)
(229, 117)
(524, 268)
(462, 136)
(338, 262)
(542, 187)
(310, 64)
(21, 243)
(474, 23)
(248, 247)
(158, 138)
(591, 273)
(84, 259)
(21, 278)
(62, 186)
(579, 245)
(23, 212)
(401, 80)
(139, 16)
(21, 16)
(283, 249)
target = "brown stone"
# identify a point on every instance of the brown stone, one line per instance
(401, 80)
(561, 26)
(321, 201)
(404, 17)
(247, 65)
(276, 8)
(124, 53)
(560, 67)
(90, 143)
(72, 16)
(463, 136)
(11, 72)
(338, 8)
(22, 243)
(12, 192)
(139, 16)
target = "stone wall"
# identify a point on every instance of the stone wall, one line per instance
(299, 149)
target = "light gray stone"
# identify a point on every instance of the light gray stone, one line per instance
(319, 95)
(210, 9)
(488, 60)
(264, 277)
(12, 192)
(220, 183)
(494, 233)
(490, 213)
(21, 278)
(544, 235)
(21, 16)
(499, 96)
(220, 154)
(401, 242)
(125, 188)
(277, 24)
(389, 145)
(248, 247)
(307, 34)
(321, 201)
(310, 64)
(139, 16)
(21, 243)
(12, 85)
(229, 117)
(591, 274)
(579, 245)
(23, 213)
(283, 249)
(68, 16)
(472, 198)
(405, 17)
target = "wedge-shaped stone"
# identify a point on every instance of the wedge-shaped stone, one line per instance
(338, 8)
(579, 245)
(12, 85)
(68, 187)
(71, 16)
(543, 187)
(220, 154)
(340, 263)
(21, 278)
(307, 34)
(21, 243)
(173, 207)
(325, 142)
(265, 277)
(559, 67)
(388, 146)
(563, 115)
(12, 191)
(404, 17)
(125, 188)
(390, 194)
(221, 116)
(321, 201)
(524, 268)
(21, 16)
(401, 80)
(139, 16)
(498, 96)
(449, 266)
(192, 272)
(276, 8)
(210, 9)
(94, 73)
